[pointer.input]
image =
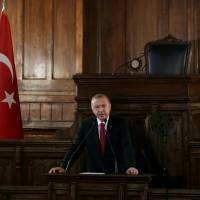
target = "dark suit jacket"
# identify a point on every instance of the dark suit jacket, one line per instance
(118, 146)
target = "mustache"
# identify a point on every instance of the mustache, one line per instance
(101, 113)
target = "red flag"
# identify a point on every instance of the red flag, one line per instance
(10, 115)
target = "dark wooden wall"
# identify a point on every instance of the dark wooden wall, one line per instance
(26, 162)
(47, 39)
(53, 40)
(117, 30)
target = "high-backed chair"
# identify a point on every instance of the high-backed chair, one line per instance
(167, 56)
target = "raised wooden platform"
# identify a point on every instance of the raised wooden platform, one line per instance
(141, 97)
(22, 162)
(13, 192)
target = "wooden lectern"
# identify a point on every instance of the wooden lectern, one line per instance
(98, 187)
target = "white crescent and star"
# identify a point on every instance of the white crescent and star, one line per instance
(9, 98)
(5, 60)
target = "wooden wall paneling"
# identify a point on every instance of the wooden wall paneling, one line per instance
(141, 25)
(178, 18)
(117, 24)
(194, 157)
(175, 194)
(191, 34)
(39, 158)
(35, 88)
(40, 110)
(170, 149)
(23, 192)
(25, 162)
(79, 36)
(35, 111)
(46, 111)
(198, 36)
(10, 169)
(14, 10)
(57, 111)
(68, 110)
(37, 39)
(143, 22)
(64, 30)
(112, 39)
(25, 111)
(7, 166)
(162, 18)
(48, 41)
(91, 31)
(156, 152)
(194, 33)
(133, 25)
(46, 37)
(186, 129)
(196, 126)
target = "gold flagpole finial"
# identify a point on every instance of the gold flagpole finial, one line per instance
(3, 5)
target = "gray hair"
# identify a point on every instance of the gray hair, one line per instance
(97, 96)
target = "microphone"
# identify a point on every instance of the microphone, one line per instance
(112, 150)
(78, 147)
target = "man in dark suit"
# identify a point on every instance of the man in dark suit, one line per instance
(106, 139)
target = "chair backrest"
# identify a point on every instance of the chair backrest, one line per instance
(167, 56)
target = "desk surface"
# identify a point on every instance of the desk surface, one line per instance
(143, 178)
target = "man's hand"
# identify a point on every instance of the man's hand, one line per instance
(56, 170)
(132, 171)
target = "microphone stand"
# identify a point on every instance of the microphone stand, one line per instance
(78, 147)
(114, 155)
(165, 174)
(112, 149)
(164, 170)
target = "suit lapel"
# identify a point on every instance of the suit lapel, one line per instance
(95, 140)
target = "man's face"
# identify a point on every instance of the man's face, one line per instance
(101, 108)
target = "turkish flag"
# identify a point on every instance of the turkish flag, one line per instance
(10, 115)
